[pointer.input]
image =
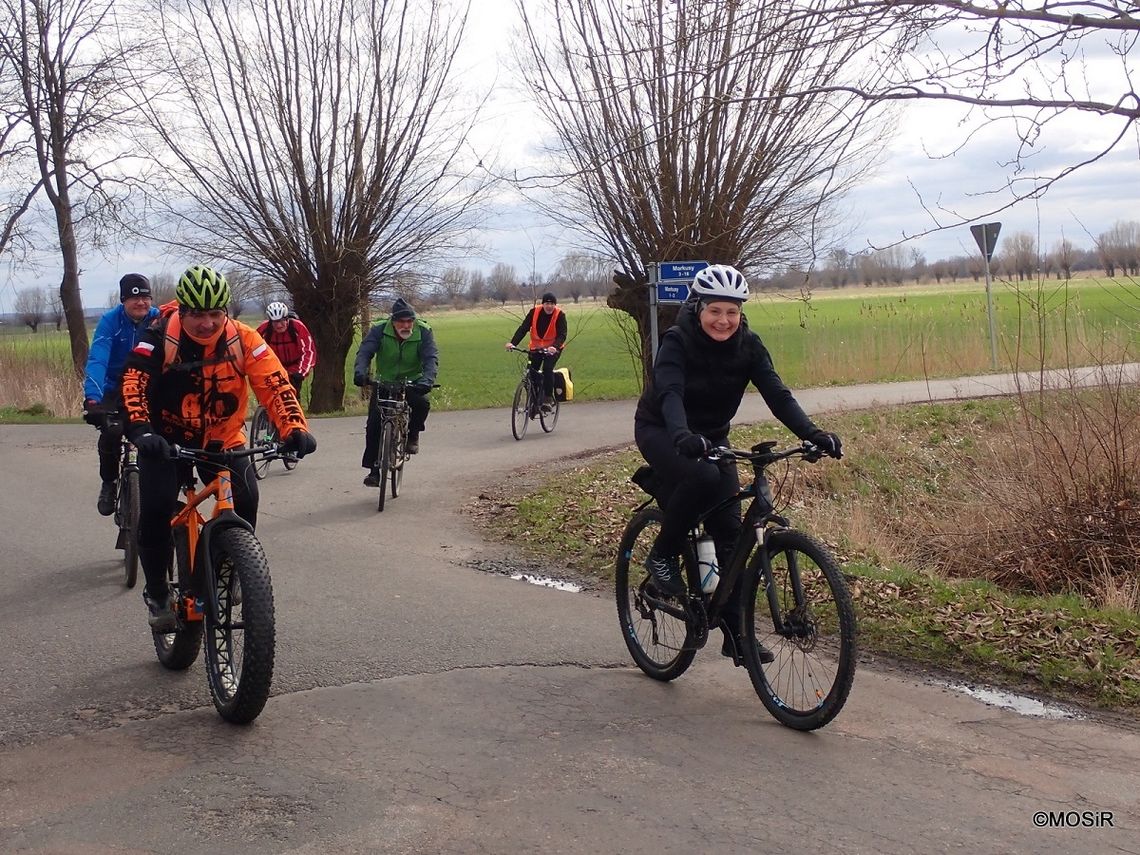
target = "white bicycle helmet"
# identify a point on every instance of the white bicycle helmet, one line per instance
(720, 282)
(277, 311)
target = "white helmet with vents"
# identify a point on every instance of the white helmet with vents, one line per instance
(720, 282)
(277, 311)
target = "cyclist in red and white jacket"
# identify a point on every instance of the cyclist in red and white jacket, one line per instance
(291, 341)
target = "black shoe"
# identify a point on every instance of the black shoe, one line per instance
(372, 479)
(413, 446)
(666, 573)
(106, 503)
(727, 648)
(161, 612)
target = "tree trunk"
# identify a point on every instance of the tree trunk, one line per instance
(632, 297)
(69, 285)
(332, 326)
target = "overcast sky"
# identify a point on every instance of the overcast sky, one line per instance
(894, 201)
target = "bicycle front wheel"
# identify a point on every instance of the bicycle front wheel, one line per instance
(128, 519)
(385, 462)
(549, 419)
(658, 641)
(240, 650)
(801, 611)
(259, 432)
(520, 410)
(399, 458)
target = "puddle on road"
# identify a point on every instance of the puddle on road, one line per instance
(547, 582)
(1018, 703)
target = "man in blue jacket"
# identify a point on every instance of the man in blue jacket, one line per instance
(118, 331)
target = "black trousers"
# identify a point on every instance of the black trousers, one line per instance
(159, 481)
(110, 438)
(419, 406)
(543, 363)
(696, 486)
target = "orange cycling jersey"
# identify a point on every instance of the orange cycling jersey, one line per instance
(195, 393)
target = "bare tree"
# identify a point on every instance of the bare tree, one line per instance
(1023, 62)
(335, 135)
(1119, 248)
(452, 284)
(70, 69)
(675, 140)
(476, 287)
(29, 306)
(1018, 256)
(55, 311)
(502, 283)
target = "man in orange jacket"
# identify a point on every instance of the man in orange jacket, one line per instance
(186, 382)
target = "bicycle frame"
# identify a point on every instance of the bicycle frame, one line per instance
(757, 524)
(198, 530)
(393, 408)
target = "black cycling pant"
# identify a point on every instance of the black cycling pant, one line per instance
(693, 487)
(159, 481)
(543, 363)
(110, 438)
(417, 421)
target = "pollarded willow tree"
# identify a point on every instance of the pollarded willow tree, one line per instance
(321, 145)
(678, 136)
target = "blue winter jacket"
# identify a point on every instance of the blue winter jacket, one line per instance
(114, 338)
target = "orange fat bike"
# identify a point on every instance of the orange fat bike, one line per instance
(220, 579)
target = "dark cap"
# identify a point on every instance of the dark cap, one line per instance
(549, 298)
(401, 309)
(133, 285)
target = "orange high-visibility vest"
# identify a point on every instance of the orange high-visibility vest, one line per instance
(537, 341)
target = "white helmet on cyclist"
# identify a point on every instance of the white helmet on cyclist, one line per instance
(720, 282)
(277, 311)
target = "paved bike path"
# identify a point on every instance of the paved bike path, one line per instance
(422, 706)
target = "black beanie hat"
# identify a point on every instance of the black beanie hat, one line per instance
(133, 285)
(401, 309)
(549, 298)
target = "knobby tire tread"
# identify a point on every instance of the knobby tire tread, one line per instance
(243, 703)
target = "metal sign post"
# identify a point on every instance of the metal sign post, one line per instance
(668, 283)
(986, 236)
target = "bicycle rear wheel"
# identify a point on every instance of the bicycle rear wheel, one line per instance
(385, 461)
(177, 650)
(658, 641)
(260, 431)
(240, 651)
(549, 420)
(520, 410)
(804, 616)
(127, 516)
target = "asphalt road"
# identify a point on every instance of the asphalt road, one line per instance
(422, 705)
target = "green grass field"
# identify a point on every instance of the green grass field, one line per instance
(833, 338)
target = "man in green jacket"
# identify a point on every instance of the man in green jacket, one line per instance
(404, 349)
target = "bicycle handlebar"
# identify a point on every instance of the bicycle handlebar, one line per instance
(765, 453)
(181, 452)
(528, 351)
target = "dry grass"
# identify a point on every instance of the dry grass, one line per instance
(38, 374)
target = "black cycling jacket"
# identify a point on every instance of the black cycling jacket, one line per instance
(697, 383)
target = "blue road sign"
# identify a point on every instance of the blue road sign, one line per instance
(672, 292)
(684, 270)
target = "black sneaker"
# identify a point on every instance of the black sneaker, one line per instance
(372, 479)
(727, 648)
(666, 573)
(161, 613)
(413, 446)
(106, 503)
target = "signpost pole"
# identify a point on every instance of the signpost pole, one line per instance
(990, 311)
(653, 311)
(986, 235)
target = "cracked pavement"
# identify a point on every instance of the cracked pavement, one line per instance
(423, 705)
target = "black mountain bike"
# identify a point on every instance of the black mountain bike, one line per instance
(263, 433)
(391, 400)
(127, 507)
(794, 601)
(528, 402)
